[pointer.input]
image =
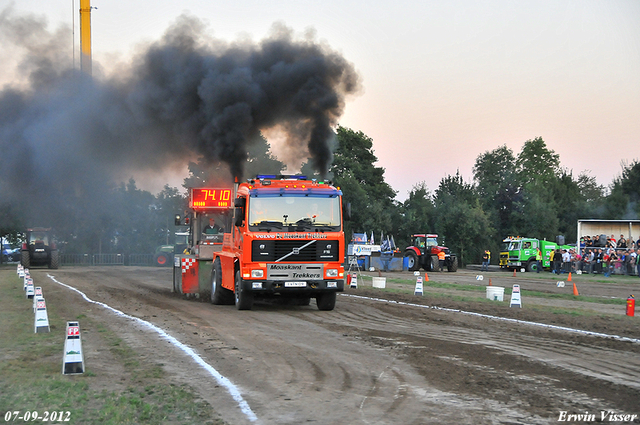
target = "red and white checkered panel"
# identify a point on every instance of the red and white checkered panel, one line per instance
(187, 263)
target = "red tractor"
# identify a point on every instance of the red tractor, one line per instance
(424, 251)
(39, 249)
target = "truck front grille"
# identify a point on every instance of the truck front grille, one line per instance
(294, 250)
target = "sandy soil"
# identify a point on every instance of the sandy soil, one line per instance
(371, 361)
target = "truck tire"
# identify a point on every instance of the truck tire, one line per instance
(244, 299)
(453, 264)
(412, 261)
(54, 260)
(435, 263)
(532, 266)
(326, 301)
(219, 295)
(25, 259)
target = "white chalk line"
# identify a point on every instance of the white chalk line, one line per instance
(506, 319)
(223, 381)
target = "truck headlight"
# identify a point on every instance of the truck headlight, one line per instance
(332, 273)
(258, 274)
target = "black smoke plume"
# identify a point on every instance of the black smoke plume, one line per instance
(184, 96)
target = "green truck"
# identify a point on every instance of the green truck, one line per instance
(518, 252)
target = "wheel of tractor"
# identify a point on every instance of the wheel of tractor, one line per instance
(25, 259)
(435, 263)
(219, 295)
(412, 261)
(244, 299)
(161, 260)
(326, 301)
(453, 264)
(54, 260)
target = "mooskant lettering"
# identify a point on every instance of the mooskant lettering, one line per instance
(285, 267)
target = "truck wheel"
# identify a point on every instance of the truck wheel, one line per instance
(532, 266)
(326, 301)
(453, 264)
(412, 261)
(244, 299)
(25, 259)
(54, 261)
(219, 295)
(435, 263)
(161, 260)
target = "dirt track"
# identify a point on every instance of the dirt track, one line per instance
(369, 362)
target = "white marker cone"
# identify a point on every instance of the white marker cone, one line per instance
(41, 323)
(73, 359)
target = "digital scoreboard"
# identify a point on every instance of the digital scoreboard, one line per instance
(210, 198)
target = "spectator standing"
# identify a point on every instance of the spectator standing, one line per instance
(441, 258)
(557, 257)
(622, 242)
(605, 264)
(588, 261)
(632, 261)
(486, 259)
(566, 261)
(538, 260)
(626, 257)
(597, 259)
(576, 260)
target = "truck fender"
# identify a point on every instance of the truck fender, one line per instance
(228, 264)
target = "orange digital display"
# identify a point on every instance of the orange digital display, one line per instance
(210, 198)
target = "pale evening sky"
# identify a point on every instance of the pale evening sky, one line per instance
(443, 81)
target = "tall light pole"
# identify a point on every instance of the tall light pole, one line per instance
(85, 36)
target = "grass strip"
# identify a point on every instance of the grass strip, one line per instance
(507, 291)
(530, 303)
(31, 374)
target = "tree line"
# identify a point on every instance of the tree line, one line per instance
(509, 194)
(526, 193)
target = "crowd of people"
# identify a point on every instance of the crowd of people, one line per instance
(615, 256)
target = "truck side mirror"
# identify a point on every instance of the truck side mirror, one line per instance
(346, 213)
(239, 214)
(240, 203)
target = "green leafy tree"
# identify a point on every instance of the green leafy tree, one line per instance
(461, 220)
(625, 193)
(418, 213)
(169, 202)
(371, 198)
(499, 187)
(536, 164)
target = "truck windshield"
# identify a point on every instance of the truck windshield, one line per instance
(512, 246)
(38, 237)
(275, 212)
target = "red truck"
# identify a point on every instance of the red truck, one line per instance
(283, 238)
